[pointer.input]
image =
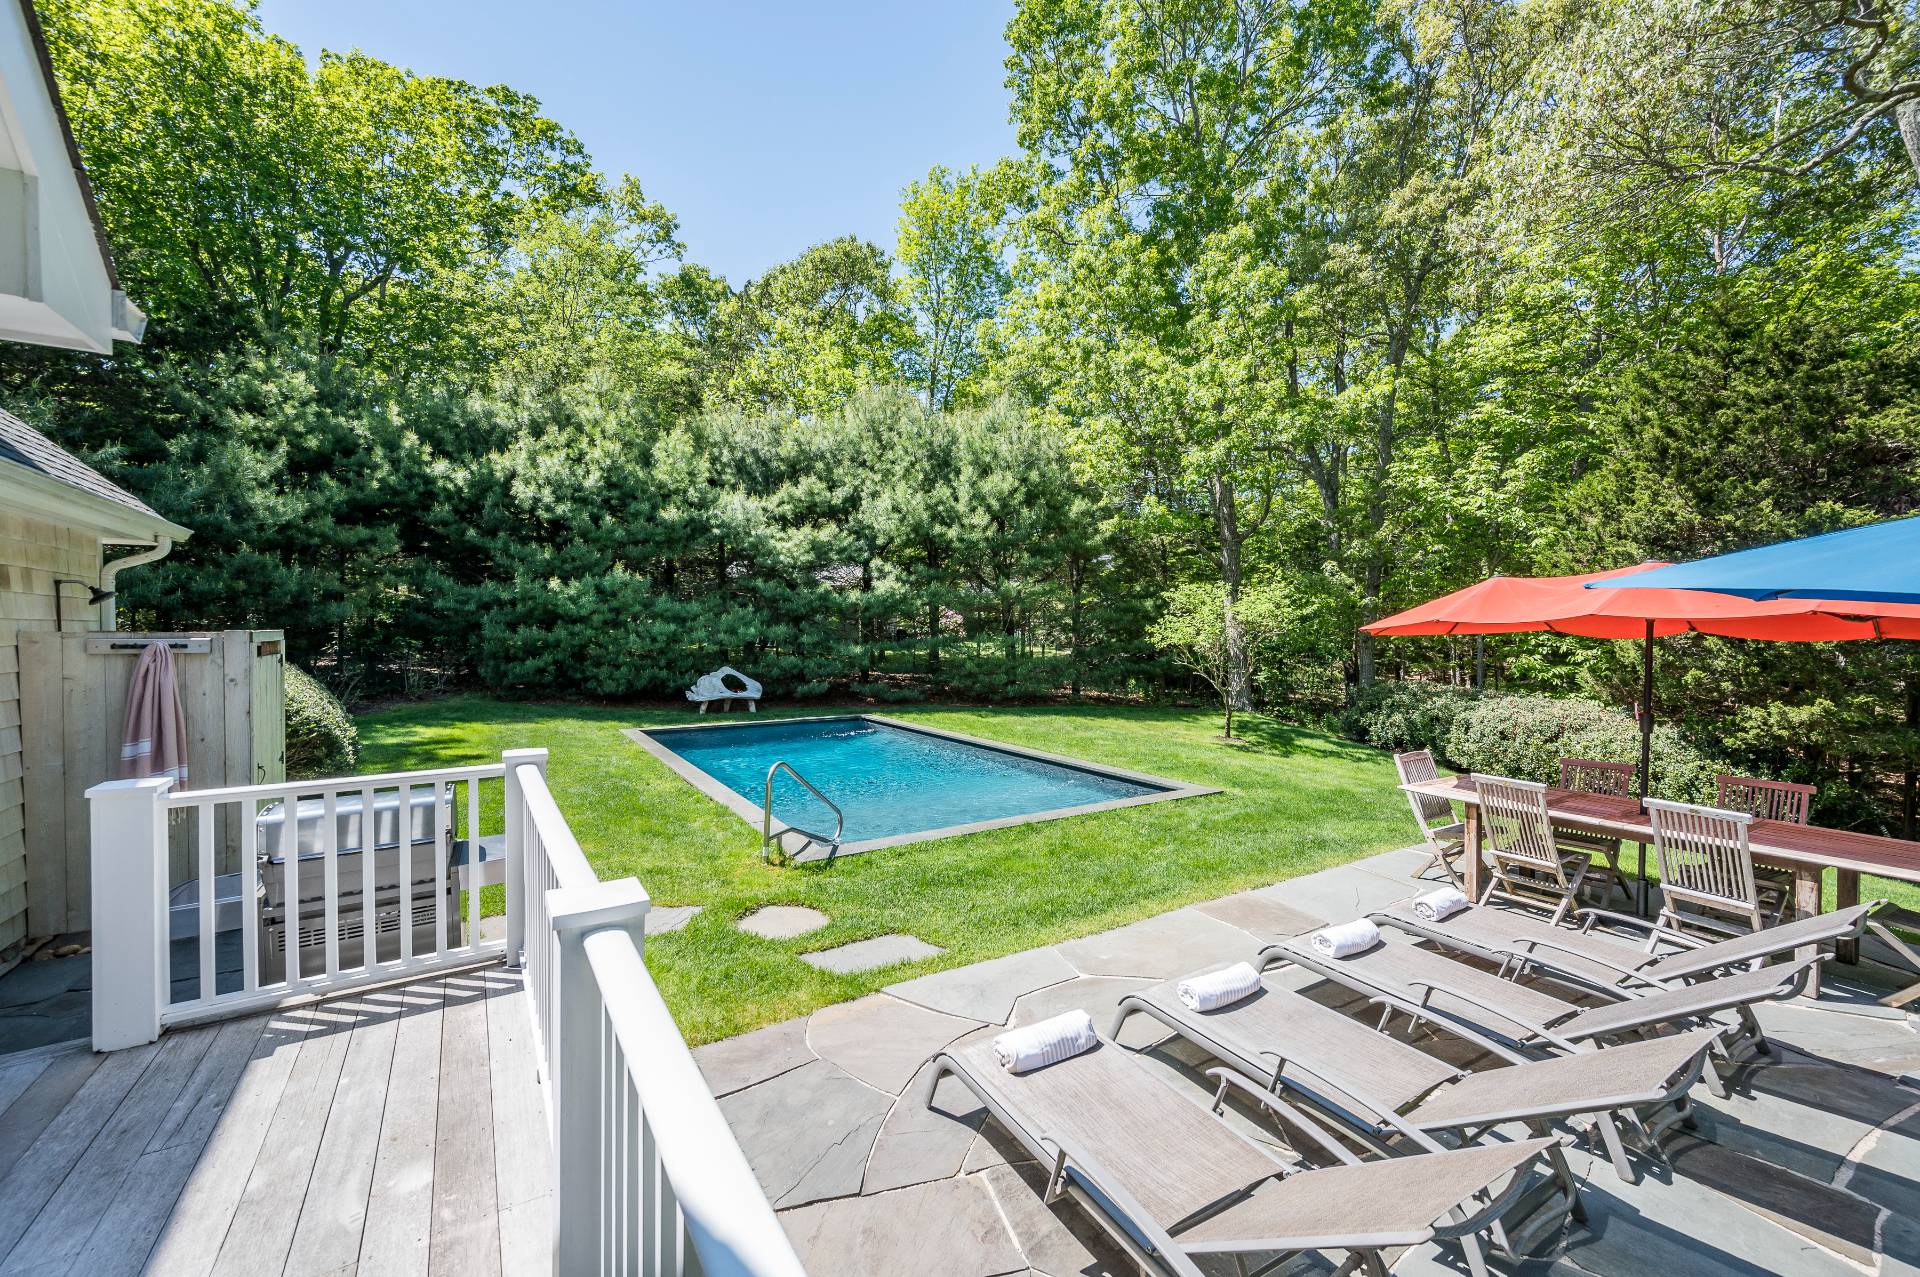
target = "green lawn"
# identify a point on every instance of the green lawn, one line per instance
(1295, 801)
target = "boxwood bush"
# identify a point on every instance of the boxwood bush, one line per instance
(1404, 716)
(1527, 736)
(1524, 736)
(321, 739)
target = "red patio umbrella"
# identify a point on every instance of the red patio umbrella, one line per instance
(1564, 605)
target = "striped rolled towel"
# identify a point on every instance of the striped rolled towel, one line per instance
(1216, 989)
(1045, 1042)
(1348, 938)
(1440, 904)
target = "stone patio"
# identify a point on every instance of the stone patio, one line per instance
(1811, 1169)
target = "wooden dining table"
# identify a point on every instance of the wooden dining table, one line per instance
(1808, 850)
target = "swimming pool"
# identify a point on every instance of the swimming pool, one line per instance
(895, 782)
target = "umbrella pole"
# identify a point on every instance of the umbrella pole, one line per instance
(1646, 708)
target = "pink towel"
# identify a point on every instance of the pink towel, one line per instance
(155, 740)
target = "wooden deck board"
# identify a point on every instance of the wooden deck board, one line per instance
(261, 1234)
(33, 1179)
(359, 1136)
(192, 1238)
(64, 1073)
(399, 1224)
(335, 1210)
(63, 1225)
(522, 1153)
(466, 1228)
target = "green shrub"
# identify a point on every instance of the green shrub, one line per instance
(1527, 736)
(1404, 716)
(321, 739)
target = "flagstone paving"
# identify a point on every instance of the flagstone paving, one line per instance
(871, 955)
(1810, 1169)
(782, 922)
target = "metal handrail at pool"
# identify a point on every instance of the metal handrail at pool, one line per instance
(766, 812)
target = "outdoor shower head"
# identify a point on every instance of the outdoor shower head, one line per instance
(95, 597)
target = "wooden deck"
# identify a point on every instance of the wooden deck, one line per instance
(397, 1131)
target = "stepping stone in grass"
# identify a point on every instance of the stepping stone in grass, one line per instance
(667, 918)
(782, 922)
(866, 955)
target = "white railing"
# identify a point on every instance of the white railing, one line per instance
(648, 1177)
(331, 884)
(211, 903)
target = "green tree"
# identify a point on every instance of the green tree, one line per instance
(955, 281)
(1192, 628)
(814, 331)
(346, 205)
(1154, 248)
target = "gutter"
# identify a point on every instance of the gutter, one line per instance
(109, 613)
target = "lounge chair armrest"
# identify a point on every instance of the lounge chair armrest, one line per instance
(1440, 986)
(1120, 1199)
(1503, 1202)
(1798, 973)
(1464, 1032)
(1271, 955)
(1654, 930)
(1320, 1135)
(1555, 946)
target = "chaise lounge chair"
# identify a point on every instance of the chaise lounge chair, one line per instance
(1172, 1183)
(1425, 984)
(1382, 1088)
(1518, 940)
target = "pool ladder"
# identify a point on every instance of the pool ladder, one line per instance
(767, 833)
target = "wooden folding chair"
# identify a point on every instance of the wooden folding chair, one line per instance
(1768, 800)
(1597, 776)
(1705, 861)
(1526, 858)
(1445, 836)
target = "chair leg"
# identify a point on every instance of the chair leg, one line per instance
(1476, 1256)
(1616, 1151)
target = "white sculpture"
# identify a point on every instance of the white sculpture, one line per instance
(713, 687)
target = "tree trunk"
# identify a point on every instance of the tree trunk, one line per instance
(1376, 514)
(1907, 115)
(1226, 516)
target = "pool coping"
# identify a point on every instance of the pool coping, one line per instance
(749, 811)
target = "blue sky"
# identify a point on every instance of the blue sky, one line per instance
(765, 126)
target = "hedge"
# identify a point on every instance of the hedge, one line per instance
(321, 739)
(1524, 736)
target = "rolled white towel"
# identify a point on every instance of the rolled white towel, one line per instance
(1045, 1042)
(1217, 989)
(1347, 938)
(1440, 904)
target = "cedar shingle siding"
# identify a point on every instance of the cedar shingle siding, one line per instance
(33, 554)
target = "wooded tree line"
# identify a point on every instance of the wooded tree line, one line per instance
(1284, 317)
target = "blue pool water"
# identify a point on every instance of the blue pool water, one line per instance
(887, 780)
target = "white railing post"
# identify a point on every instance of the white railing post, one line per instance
(514, 809)
(574, 1062)
(131, 974)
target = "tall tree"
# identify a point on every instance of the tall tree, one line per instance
(1670, 92)
(955, 280)
(814, 331)
(1153, 247)
(346, 205)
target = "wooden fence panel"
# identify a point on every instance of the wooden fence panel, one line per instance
(74, 704)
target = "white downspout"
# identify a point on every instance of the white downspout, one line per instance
(109, 613)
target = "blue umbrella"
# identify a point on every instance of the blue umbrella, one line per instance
(1878, 563)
